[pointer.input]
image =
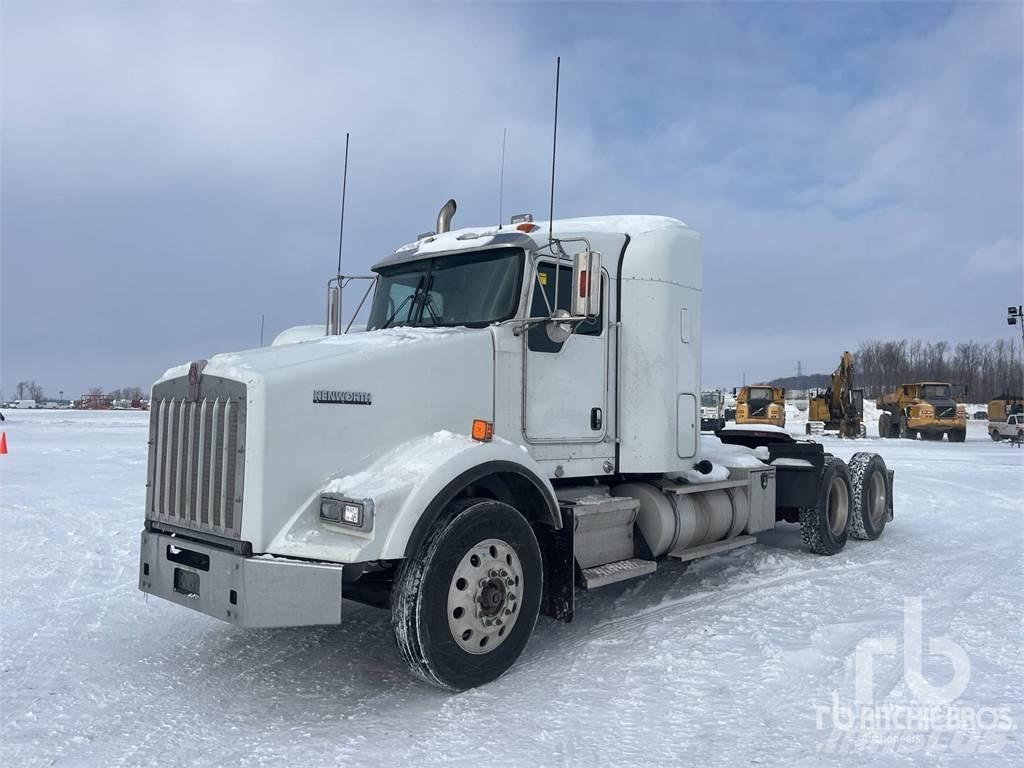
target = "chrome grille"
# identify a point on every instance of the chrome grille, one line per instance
(196, 456)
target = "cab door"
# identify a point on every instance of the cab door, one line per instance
(565, 383)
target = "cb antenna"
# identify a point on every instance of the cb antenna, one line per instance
(554, 145)
(344, 184)
(501, 175)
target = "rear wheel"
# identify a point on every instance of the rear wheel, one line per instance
(995, 435)
(826, 526)
(464, 607)
(870, 495)
(883, 425)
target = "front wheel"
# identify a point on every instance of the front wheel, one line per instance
(906, 432)
(464, 607)
(957, 435)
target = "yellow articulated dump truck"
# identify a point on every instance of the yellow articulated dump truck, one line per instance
(761, 405)
(927, 409)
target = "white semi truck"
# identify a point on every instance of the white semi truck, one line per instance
(712, 410)
(518, 420)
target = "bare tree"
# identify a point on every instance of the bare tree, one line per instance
(982, 370)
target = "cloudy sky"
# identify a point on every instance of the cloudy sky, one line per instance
(170, 172)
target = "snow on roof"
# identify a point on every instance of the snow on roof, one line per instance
(473, 238)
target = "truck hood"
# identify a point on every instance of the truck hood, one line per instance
(364, 346)
(327, 408)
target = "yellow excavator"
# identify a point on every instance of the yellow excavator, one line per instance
(761, 405)
(841, 406)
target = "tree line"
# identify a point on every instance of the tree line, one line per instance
(986, 370)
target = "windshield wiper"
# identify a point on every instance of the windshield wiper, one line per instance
(428, 304)
(405, 301)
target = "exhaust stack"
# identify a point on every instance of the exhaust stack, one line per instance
(444, 217)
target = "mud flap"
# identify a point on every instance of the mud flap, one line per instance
(559, 553)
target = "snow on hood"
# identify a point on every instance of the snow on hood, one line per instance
(241, 365)
(403, 467)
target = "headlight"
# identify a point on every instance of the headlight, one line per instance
(356, 513)
(926, 412)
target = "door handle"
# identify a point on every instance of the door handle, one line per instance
(596, 419)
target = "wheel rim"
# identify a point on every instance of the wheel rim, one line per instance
(838, 506)
(876, 499)
(484, 596)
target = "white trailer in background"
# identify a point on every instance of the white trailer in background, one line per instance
(519, 419)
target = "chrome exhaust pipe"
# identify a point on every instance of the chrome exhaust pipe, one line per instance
(333, 307)
(444, 218)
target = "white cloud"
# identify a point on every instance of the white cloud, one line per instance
(839, 183)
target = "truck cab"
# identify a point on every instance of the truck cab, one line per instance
(712, 410)
(518, 418)
(761, 404)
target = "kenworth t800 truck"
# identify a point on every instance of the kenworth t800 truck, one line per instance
(519, 419)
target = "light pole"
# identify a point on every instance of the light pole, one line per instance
(1015, 316)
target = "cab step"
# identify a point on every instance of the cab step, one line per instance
(712, 549)
(621, 570)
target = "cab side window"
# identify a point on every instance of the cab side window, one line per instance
(544, 285)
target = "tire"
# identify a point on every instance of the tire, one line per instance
(906, 432)
(883, 425)
(869, 502)
(996, 437)
(957, 435)
(452, 632)
(826, 526)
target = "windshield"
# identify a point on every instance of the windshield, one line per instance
(472, 289)
(709, 399)
(934, 392)
(760, 393)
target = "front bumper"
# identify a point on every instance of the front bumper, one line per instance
(932, 424)
(245, 591)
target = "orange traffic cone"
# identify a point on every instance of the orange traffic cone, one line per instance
(3, 443)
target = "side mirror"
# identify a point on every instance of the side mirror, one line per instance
(586, 284)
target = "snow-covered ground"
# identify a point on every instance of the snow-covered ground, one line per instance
(732, 660)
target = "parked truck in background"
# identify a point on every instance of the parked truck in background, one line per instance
(1006, 417)
(927, 409)
(712, 410)
(518, 420)
(761, 404)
